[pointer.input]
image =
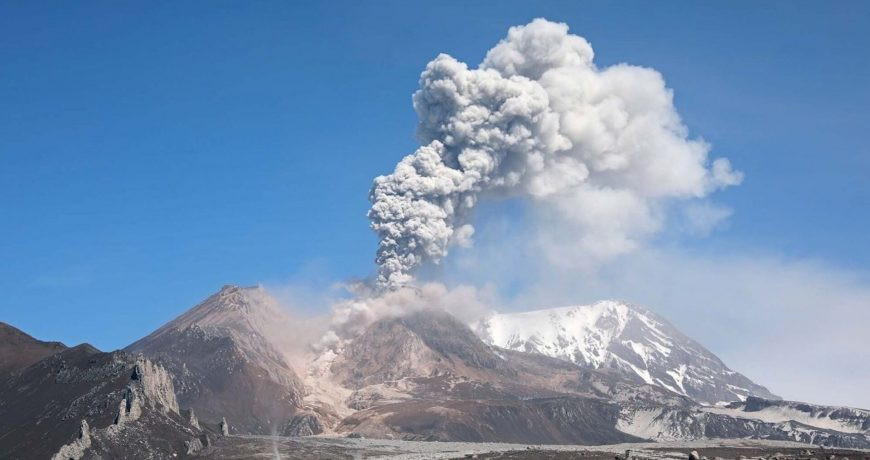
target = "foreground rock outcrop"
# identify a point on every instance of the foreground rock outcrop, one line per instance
(83, 403)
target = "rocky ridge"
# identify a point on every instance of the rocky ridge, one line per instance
(628, 338)
(425, 376)
(83, 403)
(421, 376)
(224, 361)
(19, 350)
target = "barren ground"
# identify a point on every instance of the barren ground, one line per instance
(319, 447)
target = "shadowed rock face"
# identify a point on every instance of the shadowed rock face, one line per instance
(81, 401)
(303, 424)
(19, 350)
(224, 365)
(37, 409)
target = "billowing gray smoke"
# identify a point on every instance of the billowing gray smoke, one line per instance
(604, 149)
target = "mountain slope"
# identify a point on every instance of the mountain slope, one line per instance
(779, 420)
(224, 363)
(420, 345)
(19, 350)
(82, 401)
(842, 419)
(628, 338)
(423, 375)
(557, 420)
(427, 376)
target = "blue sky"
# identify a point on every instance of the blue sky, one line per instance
(152, 153)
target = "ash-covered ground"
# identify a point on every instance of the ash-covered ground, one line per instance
(319, 447)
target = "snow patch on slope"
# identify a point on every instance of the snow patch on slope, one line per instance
(625, 337)
(577, 334)
(782, 414)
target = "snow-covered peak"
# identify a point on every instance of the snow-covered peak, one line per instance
(625, 337)
(581, 333)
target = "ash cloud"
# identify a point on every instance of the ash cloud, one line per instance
(600, 151)
(350, 317)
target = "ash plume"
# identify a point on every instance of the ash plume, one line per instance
(350, 317)
(603, 149)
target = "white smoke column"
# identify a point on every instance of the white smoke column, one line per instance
(602, 149)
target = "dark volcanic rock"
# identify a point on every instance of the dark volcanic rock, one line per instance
(565, 420)
(303, 424)
(19, 350)
(41, 408)
(223, 363)
(85, 402)
(215, 378)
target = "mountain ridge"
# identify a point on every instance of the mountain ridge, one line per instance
(19, 350)
(422, 375)
(224, 361)
(630, 338)
(82, 400)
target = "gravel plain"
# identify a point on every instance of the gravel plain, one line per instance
(338, 448)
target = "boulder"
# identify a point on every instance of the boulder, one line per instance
(303, 424)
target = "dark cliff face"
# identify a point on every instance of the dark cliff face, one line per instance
(19, 350)
(39, 407)
(122, 400)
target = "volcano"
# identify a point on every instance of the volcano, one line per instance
(600, 374)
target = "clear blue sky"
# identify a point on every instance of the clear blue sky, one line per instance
(154, 151)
